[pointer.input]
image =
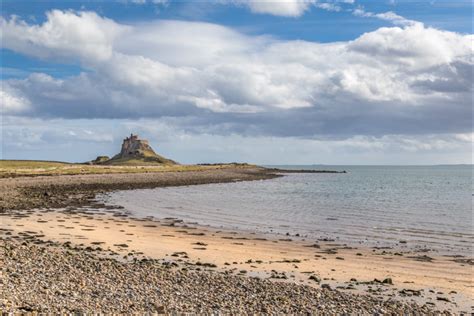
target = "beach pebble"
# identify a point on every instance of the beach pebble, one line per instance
(52, 279)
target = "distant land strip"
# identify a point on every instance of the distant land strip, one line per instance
(304, 171)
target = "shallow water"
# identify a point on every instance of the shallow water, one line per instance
(429, 207)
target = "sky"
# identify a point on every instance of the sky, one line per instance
(265, 82)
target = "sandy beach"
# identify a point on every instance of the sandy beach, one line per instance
(52, 226)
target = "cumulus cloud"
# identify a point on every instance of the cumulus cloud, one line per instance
(65, 34)
(212, 79)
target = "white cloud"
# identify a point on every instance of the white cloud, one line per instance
(289, 8)
(180, 43)
(415, 48)
(392, 80)
(387, 16)
(328, 6)
(12, 102)
(467, 137)
(296, 8)
(65, 34)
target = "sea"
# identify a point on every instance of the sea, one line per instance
(424, 207)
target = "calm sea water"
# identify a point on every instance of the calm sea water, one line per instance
(429, 207)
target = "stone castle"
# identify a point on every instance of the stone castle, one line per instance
(134, 147)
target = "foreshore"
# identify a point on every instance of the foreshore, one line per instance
(21, 192)
(65, 252)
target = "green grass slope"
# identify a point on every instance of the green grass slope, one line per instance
(147, 157)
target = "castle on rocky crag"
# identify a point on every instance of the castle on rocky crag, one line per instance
(134, 151)
(134, 147)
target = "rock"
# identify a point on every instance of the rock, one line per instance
(99, 160)
(387, 281)
(326, 286)
(160, 309)
(410, 292)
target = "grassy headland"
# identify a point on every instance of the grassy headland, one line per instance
(22, 168)
(31, 184)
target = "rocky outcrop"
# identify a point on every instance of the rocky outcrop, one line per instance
(99, 159)
(134, 147)
(134, 151)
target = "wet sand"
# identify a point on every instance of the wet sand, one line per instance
(418, 279)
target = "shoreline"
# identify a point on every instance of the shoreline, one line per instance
(319, 266)
(56, 191)
(219, 215)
